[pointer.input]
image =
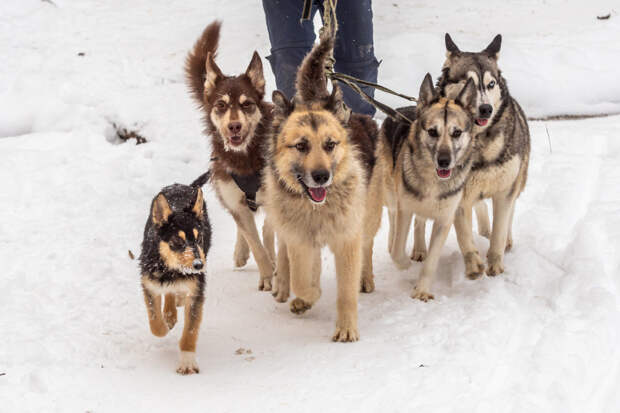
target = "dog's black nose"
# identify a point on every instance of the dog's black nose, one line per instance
(321, 176)
(234, 127)
(443, 159)
(485, 111)
(197, 264)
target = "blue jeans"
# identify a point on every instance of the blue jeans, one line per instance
(292, 40)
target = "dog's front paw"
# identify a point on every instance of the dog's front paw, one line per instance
(159, 327)
(496, 264)
(422, 295)
(508, 243)
(299, 306)
(474, 266)
(187, 364)
(418, 254)
(346, 333)
(280, 290)
(367, 284)
(264, 284)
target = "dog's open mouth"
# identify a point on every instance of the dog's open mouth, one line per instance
(317, 194)
(482, 122)
(235, 140)
(444, 173)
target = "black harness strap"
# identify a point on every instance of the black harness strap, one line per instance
(249, 184)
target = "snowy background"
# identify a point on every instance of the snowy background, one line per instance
(73, 329)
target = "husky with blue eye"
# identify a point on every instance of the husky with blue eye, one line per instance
(176, 241)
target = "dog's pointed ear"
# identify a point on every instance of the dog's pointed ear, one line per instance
(198, 209)
(335, 104)
(467, 96)
(255, 73)
(427, 91)
(282, 105)
(451, 47)
(493, 48)
(212, 74)
(161, 210)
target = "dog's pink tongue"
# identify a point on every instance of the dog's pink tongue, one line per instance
(317, 194)
(481, 122)
(444, 173)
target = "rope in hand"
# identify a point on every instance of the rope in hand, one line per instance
(330, 27)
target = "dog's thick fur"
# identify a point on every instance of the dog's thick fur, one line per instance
(429, 164)
(177, 237)
(237, 119)
(502, 154)
(323, 187)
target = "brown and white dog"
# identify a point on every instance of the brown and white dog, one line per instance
(237, 120)
(323, 187)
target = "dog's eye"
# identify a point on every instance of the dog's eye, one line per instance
(491, 84)
(433, 133)
(302, 146)
(247, 104)
(220, 105)
(329, 146)
(456, 133)
(176, 242)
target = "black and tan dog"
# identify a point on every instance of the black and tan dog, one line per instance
(502, 153)
(237, 120)
(176, 241)
(430, 164)
(323, 187)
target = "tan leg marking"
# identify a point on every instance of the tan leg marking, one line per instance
(419, 239)
(170, 310)
(427, 275)
(153, 309)
(187, 345)
(348, 272)
(474, 266)
(303, 271)
(242, 250)
(402, 221)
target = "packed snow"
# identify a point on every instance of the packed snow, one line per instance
(74, 335)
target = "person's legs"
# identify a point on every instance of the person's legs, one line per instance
(354, 50)
(290, 40)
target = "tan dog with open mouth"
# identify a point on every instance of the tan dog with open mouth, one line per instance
(431, 161)
(323, 187)
(237, 119)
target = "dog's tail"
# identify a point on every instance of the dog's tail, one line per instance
(201, 180)
(195, 63)
(311, 80)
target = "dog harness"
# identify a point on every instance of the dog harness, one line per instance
(250, 185)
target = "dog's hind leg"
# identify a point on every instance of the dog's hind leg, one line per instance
(402, 222)
(269, 240)
(242, 250)
(282, 281)
(474, 266)
(153, 309)
(482, 216)
(502, 209)
(187, 345)
(419, 239)
(302, 261)
(427, 275)
(170, 310)
(348, 254)
(245, 221)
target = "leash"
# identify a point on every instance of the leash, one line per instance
(330, 27)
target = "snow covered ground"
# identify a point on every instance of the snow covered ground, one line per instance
(73, 329)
